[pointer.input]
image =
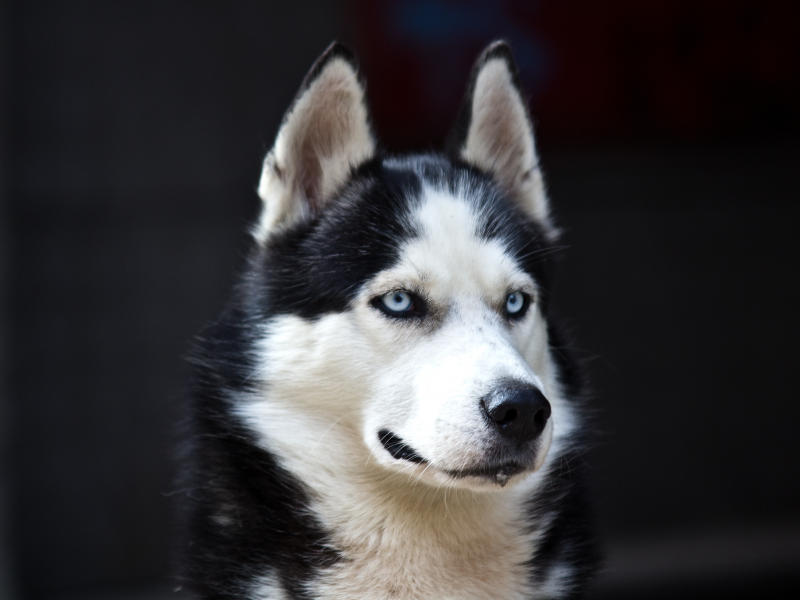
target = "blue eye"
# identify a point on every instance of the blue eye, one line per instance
(515, 302)
(398, 302)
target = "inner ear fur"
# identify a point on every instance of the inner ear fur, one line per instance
(494, 132)
(324, 135)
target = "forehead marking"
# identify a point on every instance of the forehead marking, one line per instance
(449, 254)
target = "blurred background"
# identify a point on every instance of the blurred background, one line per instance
(131, 135)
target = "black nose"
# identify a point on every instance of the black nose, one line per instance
(518, 413)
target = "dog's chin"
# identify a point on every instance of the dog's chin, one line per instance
(488, 475)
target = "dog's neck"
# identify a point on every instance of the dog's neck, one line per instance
(410, 540)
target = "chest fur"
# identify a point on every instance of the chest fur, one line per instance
(430, 543)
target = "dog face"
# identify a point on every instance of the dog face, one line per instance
(458, 324)
(407, 296)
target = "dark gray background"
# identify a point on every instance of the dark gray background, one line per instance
(132, 134)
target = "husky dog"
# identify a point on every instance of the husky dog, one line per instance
(384, 410)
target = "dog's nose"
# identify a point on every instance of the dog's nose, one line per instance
(518, 413)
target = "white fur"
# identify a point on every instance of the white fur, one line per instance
(557, 582)
(268, 588)
(329, 385)
(500, 140)
(323, 136)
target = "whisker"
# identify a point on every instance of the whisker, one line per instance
(319, 441)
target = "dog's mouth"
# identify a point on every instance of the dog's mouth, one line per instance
(498, 473)
(398, 448)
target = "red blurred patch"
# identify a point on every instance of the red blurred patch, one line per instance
(595, 71)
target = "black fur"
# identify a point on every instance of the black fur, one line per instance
(315, 268)
(242, 513)
(570, 537)
(318, 266)
(245, 516)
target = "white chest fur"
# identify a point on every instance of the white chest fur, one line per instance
(427, 542)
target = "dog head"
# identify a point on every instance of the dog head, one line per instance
(402, 301)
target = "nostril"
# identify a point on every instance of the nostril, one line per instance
(540, 418)
(510, 416)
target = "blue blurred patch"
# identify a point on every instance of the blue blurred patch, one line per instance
(445, 28)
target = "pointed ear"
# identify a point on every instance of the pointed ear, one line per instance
(324, 134)
(494, 132)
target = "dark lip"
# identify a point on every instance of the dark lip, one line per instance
(492, 472)
(398, 448)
